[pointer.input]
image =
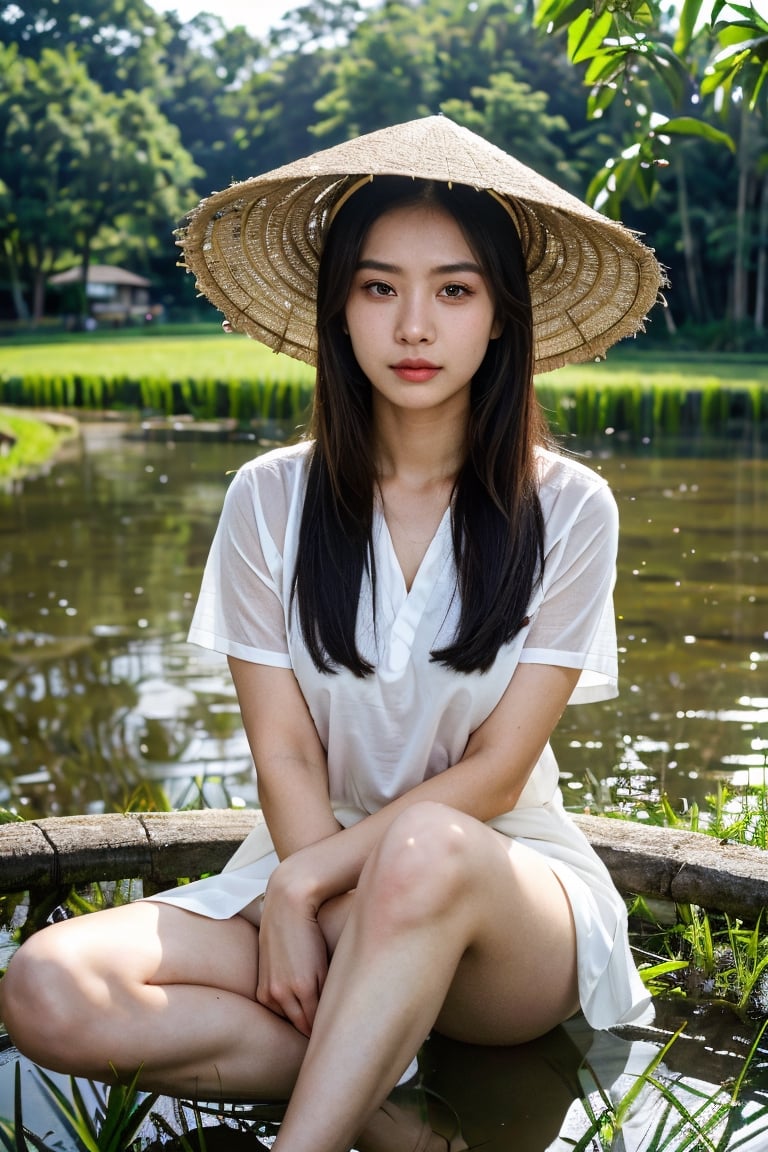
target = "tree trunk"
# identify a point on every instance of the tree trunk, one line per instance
(762, 260)
(38, 296)
(689, 244)
(741, 253)
(85, 267)
(17, 294)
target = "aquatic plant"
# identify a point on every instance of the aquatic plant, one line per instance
(109, 1125)
(123, 1118)
(675, 1115)
(696, 952)
(706, 956)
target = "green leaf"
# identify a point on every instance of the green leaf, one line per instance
(689, 126)
(585, 36)
(627, 1102)
(560, 13)
(751, 13)
(77, 1126)
(577, 30)
(605, 66)
(654, 971)
(598, 184)
(758, 87)
(721, 74)
(19, 1138)
(688, 17)
(643, 14)
(601, 98)
(670, 77)
(712, 1115)
(731, 34)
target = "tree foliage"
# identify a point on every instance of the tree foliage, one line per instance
(113, 118)
(681, 74)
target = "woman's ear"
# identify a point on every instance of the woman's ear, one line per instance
(497, 329)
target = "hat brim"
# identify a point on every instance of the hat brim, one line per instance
(255, 247)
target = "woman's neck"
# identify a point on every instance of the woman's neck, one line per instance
(418, 449)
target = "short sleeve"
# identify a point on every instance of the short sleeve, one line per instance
(240, 611)
(574, 624)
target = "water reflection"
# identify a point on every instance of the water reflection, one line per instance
(101, 696)
(545, 1096)
(692, 601)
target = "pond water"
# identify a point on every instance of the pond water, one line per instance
(104, 705)
(102, 701)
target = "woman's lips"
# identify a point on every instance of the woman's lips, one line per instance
(415, 371)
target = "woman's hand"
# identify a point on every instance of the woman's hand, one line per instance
(293, 956)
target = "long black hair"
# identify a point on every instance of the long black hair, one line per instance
(498, 533)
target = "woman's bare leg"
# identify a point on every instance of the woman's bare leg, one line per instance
(153, 986)
(452, 925)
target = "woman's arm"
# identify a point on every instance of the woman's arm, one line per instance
(290, 761)
(293, 791)
(486, 782)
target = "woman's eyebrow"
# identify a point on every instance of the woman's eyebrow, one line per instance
(440, 270)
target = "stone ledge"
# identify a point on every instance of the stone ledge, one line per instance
(159, 847)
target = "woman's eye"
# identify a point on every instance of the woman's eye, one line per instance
(456, 291)
(379, 288)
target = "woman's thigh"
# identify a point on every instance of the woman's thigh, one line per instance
(518, 978)
(144, 943)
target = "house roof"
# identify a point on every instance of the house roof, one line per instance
(100, 274)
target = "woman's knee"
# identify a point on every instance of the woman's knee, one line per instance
(421, 867)
(43, 1000)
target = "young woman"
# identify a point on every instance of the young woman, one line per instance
(408, 599)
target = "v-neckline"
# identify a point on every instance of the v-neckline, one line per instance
(425, 565)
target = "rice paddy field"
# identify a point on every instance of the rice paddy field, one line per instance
(204, 350)
(191, 351)
(197, 370)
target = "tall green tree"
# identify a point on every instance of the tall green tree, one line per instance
(75, 160)
(515, 118)
(209, 69)
(480, 63)
(390, 73)
(120, 42)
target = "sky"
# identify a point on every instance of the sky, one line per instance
(257, 15)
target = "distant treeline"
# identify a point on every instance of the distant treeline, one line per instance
(115, 119)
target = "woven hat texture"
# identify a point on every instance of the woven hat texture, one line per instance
(254, 248)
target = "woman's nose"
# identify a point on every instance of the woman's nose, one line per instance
(415, 324)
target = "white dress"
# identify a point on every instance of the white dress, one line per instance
(412, 717)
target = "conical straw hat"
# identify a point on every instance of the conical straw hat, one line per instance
(254, 248)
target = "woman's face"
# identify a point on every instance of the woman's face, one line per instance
(419, 312)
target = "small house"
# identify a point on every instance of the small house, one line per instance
(114, 295)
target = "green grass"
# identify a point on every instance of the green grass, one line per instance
(35, 443)
(202, 352)
(629, 365)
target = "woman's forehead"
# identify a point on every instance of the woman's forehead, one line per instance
(417, 230)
